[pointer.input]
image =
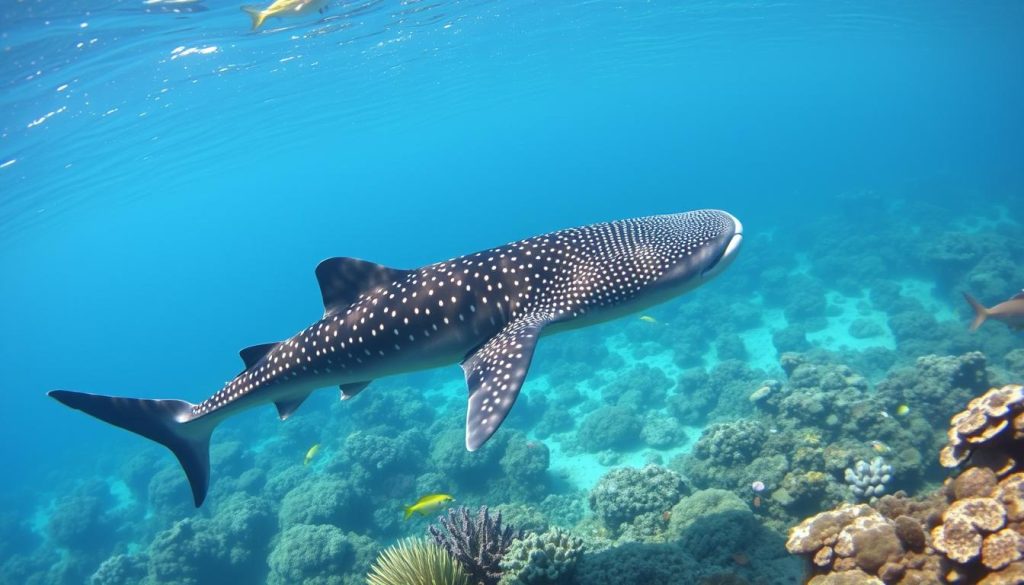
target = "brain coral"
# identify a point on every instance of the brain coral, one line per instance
(609, 427)
(623, 494)
(732, 443)
(713, 524)
(319, 555)
(322, 500)
(540, 558)
(638, 564)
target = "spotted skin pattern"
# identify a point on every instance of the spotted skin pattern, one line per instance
(452, 307)
(485, 310)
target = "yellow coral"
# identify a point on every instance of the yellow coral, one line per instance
(811, 438)
(816, 477)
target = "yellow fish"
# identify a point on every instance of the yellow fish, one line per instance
(902, 410)
(311, 453)
(428, 504)
(648, 319)
(283, 9)
(879, 447)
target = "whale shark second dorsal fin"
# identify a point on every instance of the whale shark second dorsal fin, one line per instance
(495, 372)
(253, 354)
(342, 280)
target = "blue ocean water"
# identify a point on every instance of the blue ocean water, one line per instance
(169, 179)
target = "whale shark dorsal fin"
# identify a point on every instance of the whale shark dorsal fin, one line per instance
(495, 372)
(253, 354)
(342, 280)
(350, 390)
(285, 408)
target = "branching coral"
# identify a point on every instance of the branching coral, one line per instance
(477, 544)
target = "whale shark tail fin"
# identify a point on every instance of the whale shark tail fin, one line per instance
(980, 312)
(168, 422)
(256, 14)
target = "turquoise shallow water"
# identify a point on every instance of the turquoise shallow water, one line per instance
(169, 179)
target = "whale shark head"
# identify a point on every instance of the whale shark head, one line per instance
(709, 241)
(721, 250)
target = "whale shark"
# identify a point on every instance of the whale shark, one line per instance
(485, 310)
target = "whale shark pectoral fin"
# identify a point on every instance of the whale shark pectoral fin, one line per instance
(286, 408)
(350, 390)
(495, 373)
(251, 355)
(342, 280)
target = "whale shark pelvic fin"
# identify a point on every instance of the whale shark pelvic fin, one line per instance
(350, 390)
(168, 422)
(342, 280)
(285, 408)
(495, 372)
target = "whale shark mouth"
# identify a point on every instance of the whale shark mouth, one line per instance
(728, 253)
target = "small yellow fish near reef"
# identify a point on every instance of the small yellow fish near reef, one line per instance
(428, 504)
(648, 319)
(902, 410)
(311, 453)
(284, 9)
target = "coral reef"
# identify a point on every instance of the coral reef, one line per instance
(416, 561)
(990, 421)
(323, 499)
(609, 427)
(713, 525)
(231, 544)
(873, 357)
(624, 495)
(970, 531)
(638, 564)
(868, 480)
(824, 419)
(477, 544)
(538, 559)
(307, 554)
(120, 570)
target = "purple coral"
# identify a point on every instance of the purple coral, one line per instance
(478, 545)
